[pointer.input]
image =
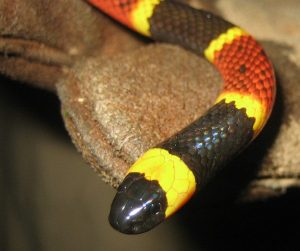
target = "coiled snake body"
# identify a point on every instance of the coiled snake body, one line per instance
(166, 176)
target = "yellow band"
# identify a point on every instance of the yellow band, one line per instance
(141, 14)
(172, 174)
(225, 38)
(254, 108)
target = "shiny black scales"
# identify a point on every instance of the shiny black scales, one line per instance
(176, 23)
(138, 206)
(209, 142)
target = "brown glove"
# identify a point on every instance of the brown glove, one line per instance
(122, 94)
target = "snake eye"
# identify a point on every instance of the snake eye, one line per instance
(139, 205)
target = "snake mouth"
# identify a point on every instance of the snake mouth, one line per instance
(138, 206)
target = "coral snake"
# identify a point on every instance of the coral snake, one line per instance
(165, 177)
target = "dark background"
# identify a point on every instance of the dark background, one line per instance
(51, 200)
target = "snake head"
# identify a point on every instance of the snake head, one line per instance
(138, 206)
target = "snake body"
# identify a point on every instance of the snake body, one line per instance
(166, 176)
